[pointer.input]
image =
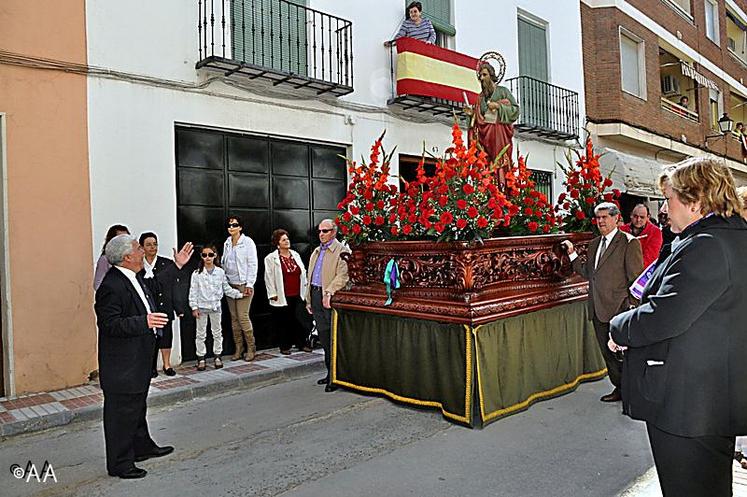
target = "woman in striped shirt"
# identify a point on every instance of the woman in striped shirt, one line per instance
(415, 26)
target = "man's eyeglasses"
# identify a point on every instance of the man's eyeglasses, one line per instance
(205, 256)
(234, 225)
(325, 230)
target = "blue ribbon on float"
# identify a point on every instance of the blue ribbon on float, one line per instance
(391, 279)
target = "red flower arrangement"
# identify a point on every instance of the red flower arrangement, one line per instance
(462, 201)
(536, 215)
(370, 201)
(585, 188)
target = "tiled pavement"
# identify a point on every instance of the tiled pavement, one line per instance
(48, 409)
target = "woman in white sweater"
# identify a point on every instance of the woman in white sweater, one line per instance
(208, 286)
(285, 280)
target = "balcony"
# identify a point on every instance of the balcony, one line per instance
(277, 41)
(678, 110)
(546, 110)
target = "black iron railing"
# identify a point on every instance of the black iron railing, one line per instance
(546, 109)
(278, 40)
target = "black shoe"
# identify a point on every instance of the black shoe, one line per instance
(131, 474)
(169, 372)
(613, 396)
(154, 373)
(156, 452)
(323, 381)
(330, 388)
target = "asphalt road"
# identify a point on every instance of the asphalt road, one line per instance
(292, 439)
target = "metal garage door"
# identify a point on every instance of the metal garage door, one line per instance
(271, 183)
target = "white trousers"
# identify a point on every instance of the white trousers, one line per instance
(202, 321)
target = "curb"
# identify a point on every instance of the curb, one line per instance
(264, 377)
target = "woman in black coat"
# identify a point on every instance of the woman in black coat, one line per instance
(170, 299)
(685, 343)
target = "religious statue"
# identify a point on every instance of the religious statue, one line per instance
(493, 116)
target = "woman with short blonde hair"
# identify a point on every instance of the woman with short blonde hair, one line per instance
(684, 345)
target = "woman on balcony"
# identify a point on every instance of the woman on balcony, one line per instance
(415, 26)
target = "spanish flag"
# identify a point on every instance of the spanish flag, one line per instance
(431, 71)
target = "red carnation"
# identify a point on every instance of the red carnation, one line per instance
(607, 182)
(546, 228)
(461, 204)
(354, 210)
(366, 219)
(468, 188)
(369, 206)
(446, 218)
(346, 217)
(590, 200)
(407, 229)
(580, 215)
(561, 197)
(380, 204)
(574, 193)
(472, 211)
(532, 226)
(528, 211)
(461, 223)
(356, 228)
(379, 220)
(616, 192)
(443, 200)
(482, 222)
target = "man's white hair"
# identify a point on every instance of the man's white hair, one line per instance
(119, 247)
(612, 209)
(330, 221)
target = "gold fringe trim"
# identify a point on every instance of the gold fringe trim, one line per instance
(409, 400)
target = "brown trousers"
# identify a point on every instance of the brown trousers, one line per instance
(240, 322)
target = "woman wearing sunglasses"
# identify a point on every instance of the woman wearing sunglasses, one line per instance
(285, 279)
(209, 284)
(240, 264)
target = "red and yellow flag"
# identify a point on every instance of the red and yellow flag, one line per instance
(431, 71)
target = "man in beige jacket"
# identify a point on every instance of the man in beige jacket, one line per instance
(328, 274)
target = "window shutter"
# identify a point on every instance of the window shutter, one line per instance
(532, 50)
(270, 33)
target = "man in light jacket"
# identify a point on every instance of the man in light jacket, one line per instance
(329, 273)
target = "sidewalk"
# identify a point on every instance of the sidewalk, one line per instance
(47, 409)
(648, 484)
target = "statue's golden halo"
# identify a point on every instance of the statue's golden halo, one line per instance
(494, 59)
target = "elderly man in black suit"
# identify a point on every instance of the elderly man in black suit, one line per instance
(128, 327)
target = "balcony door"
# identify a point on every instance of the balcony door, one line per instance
(270, 183)
(534, 98)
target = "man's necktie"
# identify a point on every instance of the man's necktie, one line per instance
(600, 252)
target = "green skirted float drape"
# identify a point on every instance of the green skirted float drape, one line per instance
(507, 364)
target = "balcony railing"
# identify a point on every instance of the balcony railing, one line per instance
(276, 40)
(679, 110)
(546, 110)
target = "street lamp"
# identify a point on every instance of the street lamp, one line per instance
(725, 124)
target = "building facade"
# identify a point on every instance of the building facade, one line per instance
(660, 75)
(247, 107)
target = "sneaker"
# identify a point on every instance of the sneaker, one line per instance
(218, 363)
(201, 364)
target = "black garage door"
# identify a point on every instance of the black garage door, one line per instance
(271, 183)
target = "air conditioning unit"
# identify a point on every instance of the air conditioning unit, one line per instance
(670, 85)
(731, 44)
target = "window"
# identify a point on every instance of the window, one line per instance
(439, 13)
(711, 20)
(682, 6)
(736, 35)
(632, 64)
(542, 182)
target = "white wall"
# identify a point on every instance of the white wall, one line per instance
(131, 124)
